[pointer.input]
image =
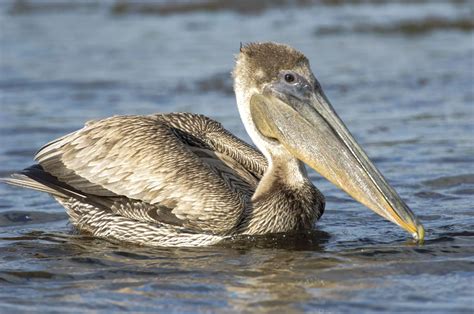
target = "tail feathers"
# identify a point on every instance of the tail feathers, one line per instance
(36, 178)
(23, 181)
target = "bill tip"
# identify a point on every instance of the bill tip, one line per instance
(419, 235)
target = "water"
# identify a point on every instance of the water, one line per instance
(400, 76)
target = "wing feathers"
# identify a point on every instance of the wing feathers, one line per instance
(175, 161)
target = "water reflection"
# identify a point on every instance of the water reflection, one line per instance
(264, 274)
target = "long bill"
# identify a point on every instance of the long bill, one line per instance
(312, 132)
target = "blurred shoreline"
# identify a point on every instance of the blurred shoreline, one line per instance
(168, 7)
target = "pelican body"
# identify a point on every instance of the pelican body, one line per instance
(181, 179)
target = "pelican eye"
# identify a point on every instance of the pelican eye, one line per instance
(289, 78)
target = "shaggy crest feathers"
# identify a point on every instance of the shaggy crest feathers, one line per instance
(261, 62)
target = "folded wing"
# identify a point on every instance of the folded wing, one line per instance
(185, 165)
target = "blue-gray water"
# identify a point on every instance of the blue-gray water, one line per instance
(400, 76)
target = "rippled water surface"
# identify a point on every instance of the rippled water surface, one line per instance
(400, 76)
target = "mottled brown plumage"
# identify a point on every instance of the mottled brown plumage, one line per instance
(162, 179)
(153, 159)
(181, 179)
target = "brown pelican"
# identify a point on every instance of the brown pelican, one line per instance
(181, 179)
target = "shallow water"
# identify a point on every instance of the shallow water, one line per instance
(400, 76)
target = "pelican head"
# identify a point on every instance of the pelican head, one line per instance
(285, 111)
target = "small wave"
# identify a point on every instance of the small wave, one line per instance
(43, 84)
(313, 240)
(89, 261)
(390, 143)
(406, 27)
(464, 192)
(454, 159)
(24, 276)
(460, 234)
(27, 6)
(28, 130)
(182, 7)
(450, 181)
(337, 199)
(21, 152)
(13, 218)
(219, 83)
(430, 195)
